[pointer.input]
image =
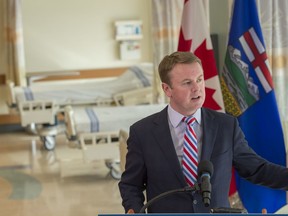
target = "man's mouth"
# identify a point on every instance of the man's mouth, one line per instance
(195, 98)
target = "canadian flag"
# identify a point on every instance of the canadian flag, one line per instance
(195, 37)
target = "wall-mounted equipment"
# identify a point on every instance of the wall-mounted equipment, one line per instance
(128, 30)
(129, 33)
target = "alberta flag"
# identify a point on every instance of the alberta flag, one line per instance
(195, 37)
(248, 93)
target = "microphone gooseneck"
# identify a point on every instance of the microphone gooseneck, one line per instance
(162, 195)
(205, 171)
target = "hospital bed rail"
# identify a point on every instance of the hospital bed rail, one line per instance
(40, 115)
(97, 129)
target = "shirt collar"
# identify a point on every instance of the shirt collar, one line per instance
(175, 117)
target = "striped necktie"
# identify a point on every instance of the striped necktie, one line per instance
(190, 152)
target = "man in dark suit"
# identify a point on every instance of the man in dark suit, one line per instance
(155, 147)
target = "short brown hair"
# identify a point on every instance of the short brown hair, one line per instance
(169, 62)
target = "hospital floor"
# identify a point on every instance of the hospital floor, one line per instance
(34, 181)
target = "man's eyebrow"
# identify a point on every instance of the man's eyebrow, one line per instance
(186, 80)
(200, 76)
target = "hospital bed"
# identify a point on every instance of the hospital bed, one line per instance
(101, 132)
(40, 105)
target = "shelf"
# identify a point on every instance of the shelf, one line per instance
(128, 37)
(128, 30)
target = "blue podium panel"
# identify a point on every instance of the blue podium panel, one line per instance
(191, 214)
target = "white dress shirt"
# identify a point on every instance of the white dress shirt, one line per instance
(177, 130)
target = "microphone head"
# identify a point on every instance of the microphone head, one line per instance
(205, 167)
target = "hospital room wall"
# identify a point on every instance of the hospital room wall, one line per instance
(77, 35)
(69, 35)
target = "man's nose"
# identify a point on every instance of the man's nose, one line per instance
(195, 86)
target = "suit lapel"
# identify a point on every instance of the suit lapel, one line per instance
(164, 140)
(163, 137)
(210, 128)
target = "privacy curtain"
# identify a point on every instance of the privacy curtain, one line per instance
(166, 21)
(273, 17)
(13, 42)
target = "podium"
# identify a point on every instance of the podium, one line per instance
(189, 214)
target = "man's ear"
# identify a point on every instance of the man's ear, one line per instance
(167, 90)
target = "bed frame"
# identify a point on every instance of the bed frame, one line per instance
(41, 116)
(108, 145)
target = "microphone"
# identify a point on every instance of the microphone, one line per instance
(205, 171)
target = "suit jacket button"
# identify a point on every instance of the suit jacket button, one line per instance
(194, 202)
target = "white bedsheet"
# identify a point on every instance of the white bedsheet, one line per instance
(105, 119)
(80, 93)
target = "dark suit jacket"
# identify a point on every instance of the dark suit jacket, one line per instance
(152, 164)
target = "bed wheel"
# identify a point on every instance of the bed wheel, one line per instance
(49, 142)
(109, 163)
(115, 173)
(114, 167)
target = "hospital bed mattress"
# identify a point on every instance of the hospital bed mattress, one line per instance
(135, 77)
(99, 119)
(96, 131)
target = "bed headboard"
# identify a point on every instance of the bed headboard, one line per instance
(82, 74)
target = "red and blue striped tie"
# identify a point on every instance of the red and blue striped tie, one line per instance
(190, 152)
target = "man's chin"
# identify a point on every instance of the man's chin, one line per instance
(197, 102)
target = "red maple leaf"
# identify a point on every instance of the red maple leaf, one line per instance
(183, 44)
(208, 60)
(209, 101)
(210, 70)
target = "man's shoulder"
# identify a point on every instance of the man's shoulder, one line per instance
(216, 114)
(153, 117)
